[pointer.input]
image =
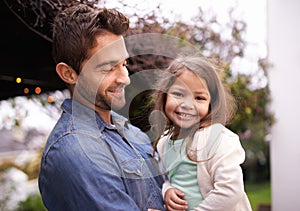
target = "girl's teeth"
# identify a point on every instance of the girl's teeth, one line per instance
(184, 115)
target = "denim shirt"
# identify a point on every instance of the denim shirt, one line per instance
(88, 164)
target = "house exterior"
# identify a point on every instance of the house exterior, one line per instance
(284, 55)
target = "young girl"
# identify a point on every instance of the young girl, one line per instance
(201, 157)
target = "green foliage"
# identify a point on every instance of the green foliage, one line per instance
(224, 42)
(252, 122)
(32, 203)
(253, 119)
(259, 194)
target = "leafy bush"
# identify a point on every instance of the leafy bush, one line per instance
(32, 203)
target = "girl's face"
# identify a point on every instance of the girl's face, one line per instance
(187, 101)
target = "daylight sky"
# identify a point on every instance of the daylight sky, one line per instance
(253, 12)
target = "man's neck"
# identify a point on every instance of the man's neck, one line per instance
(104, 114)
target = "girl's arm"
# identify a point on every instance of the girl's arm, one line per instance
(226, 188)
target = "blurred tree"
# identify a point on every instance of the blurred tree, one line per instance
(223, 42)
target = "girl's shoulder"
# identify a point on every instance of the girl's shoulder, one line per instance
(162, 142)
(209, 139)
(214, 131)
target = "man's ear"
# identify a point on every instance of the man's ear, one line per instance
(66, 73)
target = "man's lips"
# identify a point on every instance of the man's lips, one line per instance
(117, 92)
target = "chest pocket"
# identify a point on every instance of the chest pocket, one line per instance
(140, 185)
(133, 168)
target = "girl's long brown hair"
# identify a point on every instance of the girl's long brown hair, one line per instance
(222, 106)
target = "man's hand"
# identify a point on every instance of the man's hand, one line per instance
(173, 200)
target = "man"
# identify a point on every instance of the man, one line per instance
(94, 159)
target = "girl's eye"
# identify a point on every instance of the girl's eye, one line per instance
(199, 98)
(177, 94)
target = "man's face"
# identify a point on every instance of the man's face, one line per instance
(104, 76)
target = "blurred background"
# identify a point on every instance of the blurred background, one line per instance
(235, 32)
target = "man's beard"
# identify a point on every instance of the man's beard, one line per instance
(90, 95)
(107, 104)
(102, 103)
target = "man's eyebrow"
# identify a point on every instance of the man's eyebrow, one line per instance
(107, 63)
(112, 62)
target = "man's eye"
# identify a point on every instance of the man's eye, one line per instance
(105, 69)
(125, 64)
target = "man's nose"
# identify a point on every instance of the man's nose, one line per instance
(123, 76)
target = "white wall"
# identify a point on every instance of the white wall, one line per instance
(284, 54)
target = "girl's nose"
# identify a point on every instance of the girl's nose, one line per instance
(187, 103)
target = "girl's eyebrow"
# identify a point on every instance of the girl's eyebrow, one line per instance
(179, 86)
(202, 93)
(184, 88)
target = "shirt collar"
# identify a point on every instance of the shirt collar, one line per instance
(120, 122)
(84, 113)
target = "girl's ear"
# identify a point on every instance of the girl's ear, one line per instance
(66, 73)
